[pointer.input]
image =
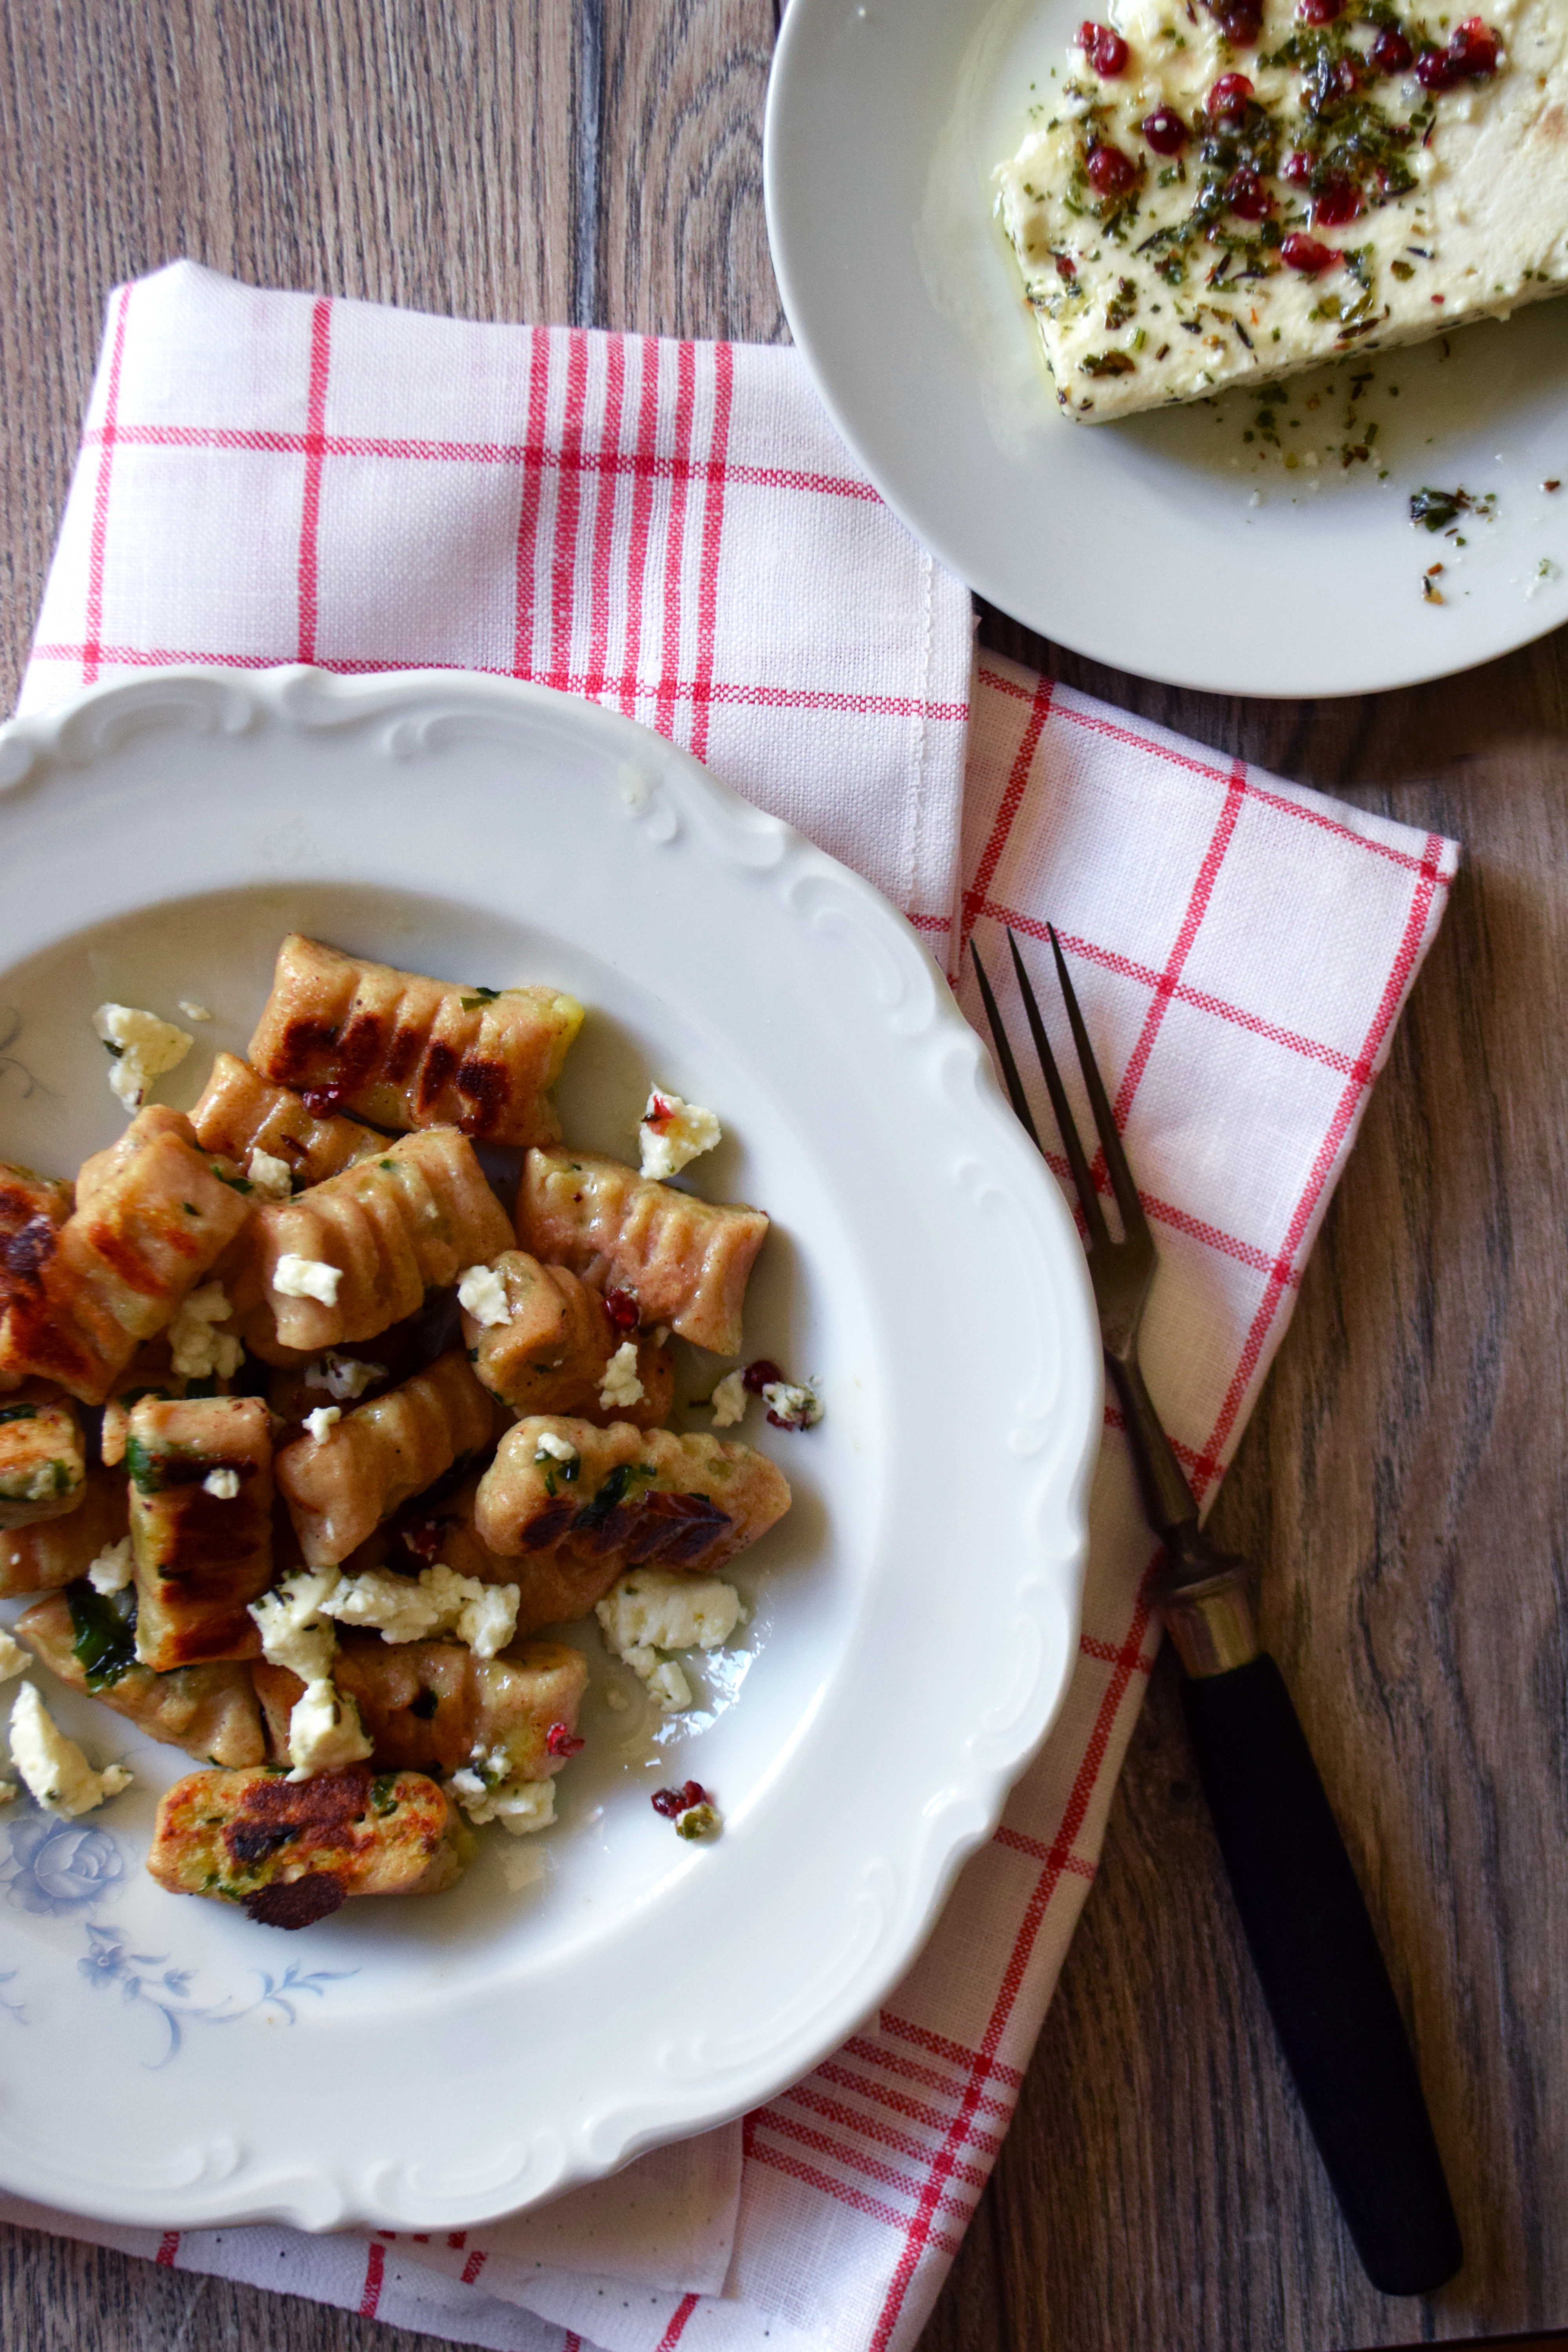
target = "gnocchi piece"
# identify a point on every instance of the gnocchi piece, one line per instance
(241, 1112)
(428, 1706)
(26, 1196)
(390, 1228)
(685, 1262)
(43, 1460)
(408, 1052)
(31, 1208)
(290, 1851)
(552, 1352)
(340, 1486)
(209, 1711)
(201, 1526)
(42, 1558)
(149, 1373)
(630, 1496)
(149, 1222)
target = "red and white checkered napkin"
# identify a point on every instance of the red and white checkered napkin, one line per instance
(674, 529)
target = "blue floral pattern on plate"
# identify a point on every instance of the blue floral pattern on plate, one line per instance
(59, 1869)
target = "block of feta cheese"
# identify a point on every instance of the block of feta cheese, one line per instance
(1212, 194)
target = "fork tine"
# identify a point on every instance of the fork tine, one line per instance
(1134, 1222)
(1020, 1101)
(1089, 1199)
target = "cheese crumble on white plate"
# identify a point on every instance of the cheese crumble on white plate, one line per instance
(673, 1133)
(649, 1609)
(54, 1770)
(1211, 193)
(140, 1048)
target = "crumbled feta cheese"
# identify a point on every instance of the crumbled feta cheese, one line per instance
(14, 1659)
(265, 1172)
(792, 1405)
(307, 1278)
(616, 1698)
(193, 1012)
(404, 1609)
(650, 1608)
(703, 1821)
(481, 1293)
(325, 1417)
(197, 1347)
(665, 1683)
(113, 1569)
(324, 1730)
(343, 1377)
(657, 1608)
(621, 1385)
(674, 1132)
(290, 1619)
(56, 1772)
(729, 1400)
(142, 1048)
(550, 1448)
(519, 1806)
(222, 1484)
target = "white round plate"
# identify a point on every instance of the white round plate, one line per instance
(431, 2063)
(1166, 544)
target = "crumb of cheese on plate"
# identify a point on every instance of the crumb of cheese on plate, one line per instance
(113, 1569)
(652, 1609)
(1188, 210)
(481, 1293)
(193, 1012)
(56, 1773)
(729, 1400)
(792, 1405)
(307, 1278)
(621, 1385)
(142, 1048)
(673, 1133)
(197, 1349)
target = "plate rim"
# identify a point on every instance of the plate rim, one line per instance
(44, 750)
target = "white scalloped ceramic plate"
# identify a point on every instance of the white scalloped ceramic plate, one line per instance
(1167, 544)
(428, 2064)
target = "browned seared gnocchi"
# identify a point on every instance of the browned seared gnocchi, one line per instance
(635, 1497)
(201, 1526)
(74, 1306)
(407, 1052)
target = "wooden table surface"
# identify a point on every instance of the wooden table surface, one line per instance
(1405, 1476)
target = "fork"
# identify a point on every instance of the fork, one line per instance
(1312, 1942)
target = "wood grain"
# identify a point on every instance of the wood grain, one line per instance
(1403, 1479)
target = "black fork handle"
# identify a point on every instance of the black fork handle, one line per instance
(1323, 1975)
